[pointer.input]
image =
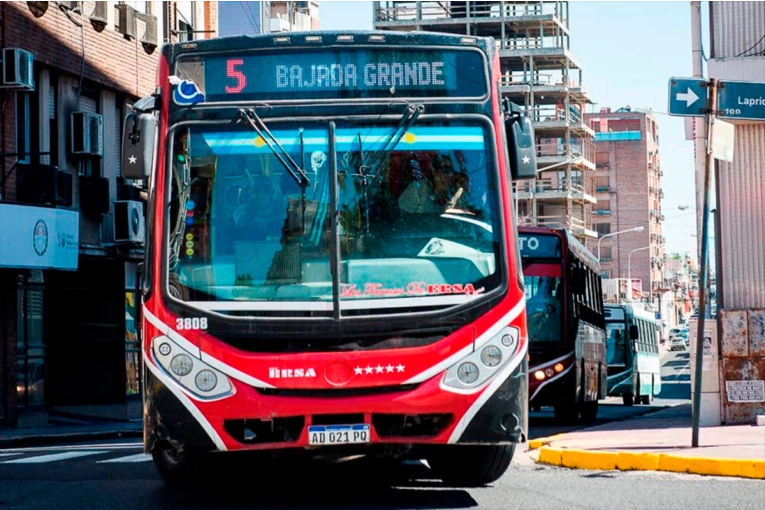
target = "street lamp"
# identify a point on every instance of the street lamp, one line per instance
(629, 270)
(636, 229)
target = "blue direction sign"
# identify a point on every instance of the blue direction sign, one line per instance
(741, 100)
(687, 97)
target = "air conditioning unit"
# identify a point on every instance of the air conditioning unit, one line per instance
(126, 16)
(87, 134)
(18, 69)
(146, 28)
(95, 10)
(129, 223)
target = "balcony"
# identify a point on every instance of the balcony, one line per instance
(551, 189)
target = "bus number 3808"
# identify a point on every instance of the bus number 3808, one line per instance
(191, 323)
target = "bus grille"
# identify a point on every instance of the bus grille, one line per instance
(337, 392)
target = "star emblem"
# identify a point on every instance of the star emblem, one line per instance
(358, 370)
(389, 368)
(400, 368)
(132, 160)
(379, 369)
(369, 370)
(526, 160)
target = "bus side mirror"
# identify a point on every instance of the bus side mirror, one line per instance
(138, 138)
(634, 333)
(521, 145)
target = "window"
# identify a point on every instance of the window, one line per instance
(603, 207)
(89, 166)
(603, 182)
(601, 159)
(602, 228)
(30, 346)
(23, 126)
(185, 20)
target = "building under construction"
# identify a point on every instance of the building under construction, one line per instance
(540, 72)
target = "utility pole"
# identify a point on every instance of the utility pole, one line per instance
(704, 264)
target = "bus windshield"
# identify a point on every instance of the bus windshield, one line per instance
(417, 221)
(616, 344)
(544, 303)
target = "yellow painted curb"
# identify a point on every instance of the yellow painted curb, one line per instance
(629, 461)
(542, 441)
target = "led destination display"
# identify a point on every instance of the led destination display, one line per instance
(352, 73)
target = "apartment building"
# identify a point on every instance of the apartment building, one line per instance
(539, 72)
(628, 214)
(251, 18)
(71, 228)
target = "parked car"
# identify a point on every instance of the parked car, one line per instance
(677, 344)
(679, 333)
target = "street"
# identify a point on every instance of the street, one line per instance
(118, 475)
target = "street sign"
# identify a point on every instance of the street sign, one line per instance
(741, 100)
(723, 138)
(687, 97)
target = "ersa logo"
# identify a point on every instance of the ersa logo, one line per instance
(290, 373)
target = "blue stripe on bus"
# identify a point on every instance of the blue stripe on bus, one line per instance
(424, 138)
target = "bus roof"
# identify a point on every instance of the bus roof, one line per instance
(569, 242)
(324, 39)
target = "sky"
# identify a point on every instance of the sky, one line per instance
(628, 51)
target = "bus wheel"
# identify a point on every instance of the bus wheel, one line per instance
(471, 466)
(627, 398)
(177, 469)
(589, 411)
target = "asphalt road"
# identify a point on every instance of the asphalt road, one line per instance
(117, 475)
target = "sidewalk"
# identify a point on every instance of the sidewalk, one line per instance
(65, 429)
(660, 441)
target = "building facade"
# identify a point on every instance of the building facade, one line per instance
(629, 195)
(539, 72)
(737, 53)
(68, 250)
(252, 18)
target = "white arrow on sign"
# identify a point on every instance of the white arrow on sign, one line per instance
(690, 97)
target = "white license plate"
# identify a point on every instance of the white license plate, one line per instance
(338, 434)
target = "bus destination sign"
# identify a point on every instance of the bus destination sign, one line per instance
(350, 73)
(539, 246)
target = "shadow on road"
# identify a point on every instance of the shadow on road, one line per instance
(354, 484)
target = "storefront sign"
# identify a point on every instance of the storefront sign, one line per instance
(38, 237)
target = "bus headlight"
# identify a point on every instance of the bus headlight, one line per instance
(206, 380)
(181, 364)
(191, 373)
(468, 373)
(491, 356)
(481, 365)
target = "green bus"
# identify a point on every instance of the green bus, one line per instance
(632, 353)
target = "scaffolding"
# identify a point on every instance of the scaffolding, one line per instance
(539, 72)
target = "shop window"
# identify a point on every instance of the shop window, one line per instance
(30, 346)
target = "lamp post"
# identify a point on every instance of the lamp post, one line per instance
(636, 229)
(629, 270)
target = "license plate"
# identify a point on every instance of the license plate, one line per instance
(338, 434)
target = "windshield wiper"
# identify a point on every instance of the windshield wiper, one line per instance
(407, 119)
(279, 151)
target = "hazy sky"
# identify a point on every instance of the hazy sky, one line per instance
(628, 51)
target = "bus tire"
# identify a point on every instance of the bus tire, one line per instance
(589, 411)
(471, 465)
(628, 399)
(177, 469)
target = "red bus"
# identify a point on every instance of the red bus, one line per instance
(566, 321)
(331, 263)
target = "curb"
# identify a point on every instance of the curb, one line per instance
(629, 461)
(542, 441)
(45, 440)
